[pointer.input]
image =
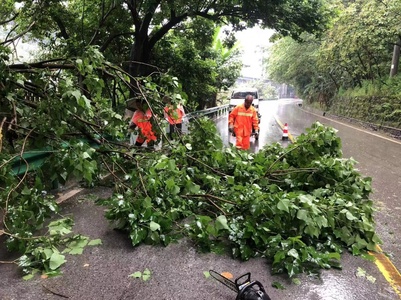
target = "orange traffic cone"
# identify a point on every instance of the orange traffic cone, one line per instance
(285, 132)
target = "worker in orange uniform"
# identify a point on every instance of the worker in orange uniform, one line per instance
(241, 120)
(174, 114)
(141, 119)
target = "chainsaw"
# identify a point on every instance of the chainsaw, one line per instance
(243, 286)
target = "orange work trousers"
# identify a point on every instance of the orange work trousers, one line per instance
(243, 142)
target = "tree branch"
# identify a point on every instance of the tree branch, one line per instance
(42, 65)
(134, 13)
(148, 17)
(9, 20)
(111, 38)
(211, 196)
(61, 26)
(165, 28)
(102, 21)
(7, 41)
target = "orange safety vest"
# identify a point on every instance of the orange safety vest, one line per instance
(142, 120)
(174, 116)
(243, 120)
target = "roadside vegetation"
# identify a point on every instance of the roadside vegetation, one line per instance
(299, 207)
(346, 70)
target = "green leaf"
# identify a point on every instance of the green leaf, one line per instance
(95, 242)
(293, 252)
(61, 226)
(321, 221)
(206, 274)
(146, 275)
(278, 285)
(138, 235)
(147, 202)
(279, 256)
(137, 274)
(230, 180)
(368, 257)
(360, 272)
(221, 222)
(303, 215)
(28, 277)
(26, 191)
(312, 230)
(78, 243)
(154, 226)
(194, 188)
(283, 204)
(85, 155)
(84, 102)
(56, 260)
(76, 251)
(350, 216)
(76, 94)
(48, 253)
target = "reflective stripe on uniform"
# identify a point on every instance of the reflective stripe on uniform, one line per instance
(245, 114)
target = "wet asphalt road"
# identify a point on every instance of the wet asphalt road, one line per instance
(102, 272)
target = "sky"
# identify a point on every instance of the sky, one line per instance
(22, 50)
(252, 41)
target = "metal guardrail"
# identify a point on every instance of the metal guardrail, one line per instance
(212, 112)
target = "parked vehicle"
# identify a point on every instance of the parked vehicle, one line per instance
(238, 97)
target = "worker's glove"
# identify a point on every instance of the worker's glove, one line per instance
(231, 128)
(131, 125)
(256, 132)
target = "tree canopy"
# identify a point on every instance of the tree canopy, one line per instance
(196, 54)
(131, 29)
(356, 50)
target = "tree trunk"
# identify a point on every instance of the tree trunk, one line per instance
(139, 61)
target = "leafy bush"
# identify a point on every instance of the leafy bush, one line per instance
(375, 102)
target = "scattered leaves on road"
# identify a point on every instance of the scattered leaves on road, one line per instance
(278, 285)
(362, 273)
(145, 275)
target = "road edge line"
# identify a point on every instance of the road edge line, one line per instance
(388, 270)
(353, 127)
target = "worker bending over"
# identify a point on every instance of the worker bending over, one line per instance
(141, 120)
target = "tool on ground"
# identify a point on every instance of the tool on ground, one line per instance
(243, 286)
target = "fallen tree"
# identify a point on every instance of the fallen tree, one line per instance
(298, 206)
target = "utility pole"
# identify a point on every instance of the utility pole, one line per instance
(396, 59)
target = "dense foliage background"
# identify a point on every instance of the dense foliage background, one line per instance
(347, 69)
